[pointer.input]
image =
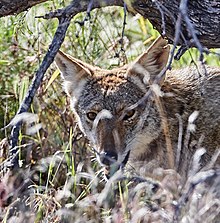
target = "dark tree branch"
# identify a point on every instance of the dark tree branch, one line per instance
(196, 19)
(81, 6)
(16, 6)
(197, 15)
(24, 107)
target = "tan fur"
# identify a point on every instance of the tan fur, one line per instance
(119, 115)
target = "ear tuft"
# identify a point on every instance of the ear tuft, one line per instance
(73, 71)
(70, 67)
(151, 62)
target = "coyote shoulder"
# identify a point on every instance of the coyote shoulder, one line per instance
(128, 115)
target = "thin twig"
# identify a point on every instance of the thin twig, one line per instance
(180, 142)
(123, 27)
(175, 41)
(165, 127)
(180, 52)
(163, 25)
(183, 10)
(81, 6)
(122, 50)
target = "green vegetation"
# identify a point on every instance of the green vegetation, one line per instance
(66, 181)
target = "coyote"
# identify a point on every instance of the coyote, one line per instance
(135, 114)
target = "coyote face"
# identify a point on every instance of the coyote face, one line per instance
(116, 112)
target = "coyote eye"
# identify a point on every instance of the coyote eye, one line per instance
(91, 116)
(129, 114)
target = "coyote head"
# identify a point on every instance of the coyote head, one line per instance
(109, 104)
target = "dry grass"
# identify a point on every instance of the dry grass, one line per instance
(51, 191)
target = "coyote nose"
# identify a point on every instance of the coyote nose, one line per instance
(108, 158)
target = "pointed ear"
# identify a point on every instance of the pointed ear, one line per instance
(74, 73)
(151, 62)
